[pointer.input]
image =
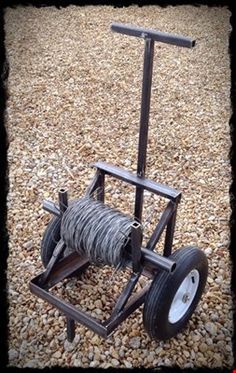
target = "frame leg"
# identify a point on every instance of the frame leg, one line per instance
(170, 234)
(97, 185)
(70, 324)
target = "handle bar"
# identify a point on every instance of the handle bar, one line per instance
(163, 37)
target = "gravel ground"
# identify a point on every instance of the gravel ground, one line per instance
(74, 98)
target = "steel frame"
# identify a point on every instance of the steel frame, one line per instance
(142, 261)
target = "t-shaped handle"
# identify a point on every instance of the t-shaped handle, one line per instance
(150, 36)
(163, 37)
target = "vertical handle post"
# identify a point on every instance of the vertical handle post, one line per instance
(144, 119)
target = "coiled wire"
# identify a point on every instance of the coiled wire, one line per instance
(96, 231)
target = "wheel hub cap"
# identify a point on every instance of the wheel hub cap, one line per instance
(184, 296)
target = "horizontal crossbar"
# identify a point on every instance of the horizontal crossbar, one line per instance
(144, 183)
(163, 37)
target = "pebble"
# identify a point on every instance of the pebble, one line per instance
(121, 353)
(13, 354)
(196, 338)
(57, 355)
(31, 364)
(167, 362)
(77, 363)
(203, 347)
(77, 339)
(19, 226)
(211, 328)
(208, 251)
(28, 245)
(128, 364)
(94, 364)
(62, 337)
(68, 346)
(115, 362)
(135, 342)
(209, 341)
(219, 280)
(186, 353)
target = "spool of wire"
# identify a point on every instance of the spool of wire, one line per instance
(96, 231)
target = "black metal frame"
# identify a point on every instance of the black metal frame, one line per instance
(142, 261)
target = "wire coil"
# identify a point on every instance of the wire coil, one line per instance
(96, 231)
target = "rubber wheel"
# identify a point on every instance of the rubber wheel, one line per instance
(173, 297)
(50, 238)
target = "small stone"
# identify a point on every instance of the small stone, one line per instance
(94, 364)
(210, 280)
(214, 317)
(117, 342)
(186, 353)
(95, 340)
(77, 363)
(13, 354)
(31, 364)
(167, 362)
(115, 362)
(228, 348)
(128, 364)
(127, 162)
(61, 337)
(135, 354)
(220, 337)
(203, 347)
(115, 354)
(28, 245)
(135, 342)
(208, 251)
(219, 280)
(19, 226)
(68, 346)
(209, 342)
(98, 304)
(121, 353)
(150, 358)
(57, 355)
(196, 338)
(23, 348)
(211, 328)
(76, 339)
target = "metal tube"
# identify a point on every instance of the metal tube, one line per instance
(129, 177)
(124, 296)
(157, 260)
(51, 207)
(135, 301)
(144, 118)
(63, 200)
(165, 218)
(170, 234)
(163, 37)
